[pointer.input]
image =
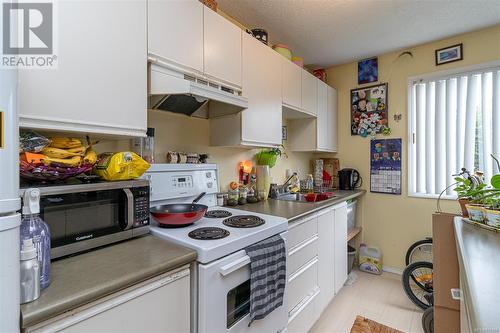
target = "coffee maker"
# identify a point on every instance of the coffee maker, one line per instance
(349, 179)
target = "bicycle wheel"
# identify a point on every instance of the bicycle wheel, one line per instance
(417, 282)
(428, 320)
(419, 251)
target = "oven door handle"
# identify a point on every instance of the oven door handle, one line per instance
(130, 208)
(235, 265)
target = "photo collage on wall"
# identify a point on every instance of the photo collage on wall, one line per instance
(369, 110)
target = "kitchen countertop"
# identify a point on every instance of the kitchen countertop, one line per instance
(478, 249)
(293, 210)
(87, 277)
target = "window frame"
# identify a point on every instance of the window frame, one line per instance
(411, 114)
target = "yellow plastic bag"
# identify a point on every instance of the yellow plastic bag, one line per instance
(120, 166)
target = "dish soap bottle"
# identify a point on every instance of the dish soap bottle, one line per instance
(32, 226)
(30, 272)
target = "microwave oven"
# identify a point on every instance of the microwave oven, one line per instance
(84, 216)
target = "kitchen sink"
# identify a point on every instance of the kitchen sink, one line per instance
(300, 197)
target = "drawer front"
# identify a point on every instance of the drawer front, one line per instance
(302, 283)
(302, 230)
(302, 319)
(302, 253)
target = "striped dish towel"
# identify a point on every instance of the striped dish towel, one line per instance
(267, 276)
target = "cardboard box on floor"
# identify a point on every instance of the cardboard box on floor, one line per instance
(445, 274)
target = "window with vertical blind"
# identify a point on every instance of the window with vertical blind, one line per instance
(454, 123)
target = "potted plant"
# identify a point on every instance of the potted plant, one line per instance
(492, 210)
(270, 156)
(469, 192)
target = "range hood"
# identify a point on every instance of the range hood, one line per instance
(174, 91)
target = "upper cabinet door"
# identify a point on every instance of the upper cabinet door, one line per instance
(292, 84)
(222, 49)
(309, 93)
(261, 122)
(322, 125)
(332, 119)
(100, 85)
(175, 33)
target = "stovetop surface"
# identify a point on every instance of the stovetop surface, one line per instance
(238, 239)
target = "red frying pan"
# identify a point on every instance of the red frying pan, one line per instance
(179, 215)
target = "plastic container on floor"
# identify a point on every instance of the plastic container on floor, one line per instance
(351, 256)
(351, 215)
(370, 259)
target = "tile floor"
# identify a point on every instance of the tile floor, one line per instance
(380, 298)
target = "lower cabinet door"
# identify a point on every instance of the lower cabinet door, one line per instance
(340, 245)
(157, 305)
(326, 248)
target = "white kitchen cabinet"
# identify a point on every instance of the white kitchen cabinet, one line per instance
(222, 49)
(161, 304)
(322, 117)
(326, 250)
(260, 124)
(340, 247)
(175, 33)
(320, 133)
(291, 89)
(100, 84)
(332, 130)
(309, 93)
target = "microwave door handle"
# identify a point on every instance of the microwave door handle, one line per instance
(235, 265)
(130, 208)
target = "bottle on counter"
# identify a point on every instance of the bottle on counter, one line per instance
(30, 272)
(145, 147)
(33, 227)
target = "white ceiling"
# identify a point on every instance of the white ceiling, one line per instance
(329, 32)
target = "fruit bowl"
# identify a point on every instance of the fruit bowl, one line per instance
(50, 173)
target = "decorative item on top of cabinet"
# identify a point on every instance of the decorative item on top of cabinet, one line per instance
(212, 4)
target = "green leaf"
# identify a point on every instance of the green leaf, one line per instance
(495, 181)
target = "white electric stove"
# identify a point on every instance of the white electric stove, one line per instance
(222, 274)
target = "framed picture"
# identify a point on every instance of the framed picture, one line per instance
(449, 54)
(369, 110)
(368, 70)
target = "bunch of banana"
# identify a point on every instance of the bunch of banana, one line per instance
(66, 162)
(90, 157)
(65, 143)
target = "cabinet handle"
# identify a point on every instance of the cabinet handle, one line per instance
(456, 294)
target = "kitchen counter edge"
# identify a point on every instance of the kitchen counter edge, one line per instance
(87, 277)
(475, 247)
(293, 210)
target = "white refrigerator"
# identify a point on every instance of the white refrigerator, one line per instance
(10, 203)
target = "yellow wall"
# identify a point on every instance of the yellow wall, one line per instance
(394, 222)
(188, 134)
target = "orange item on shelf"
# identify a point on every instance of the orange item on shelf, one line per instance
(32, 158)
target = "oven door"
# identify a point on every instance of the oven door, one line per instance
(224, 298)
(84, 216)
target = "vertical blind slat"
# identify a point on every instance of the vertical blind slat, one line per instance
(451, 116)
(486, 105)
(470, 122)
(461, 98)
(440, 137)
(420, 156)
(495, 128)
(429, 137)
